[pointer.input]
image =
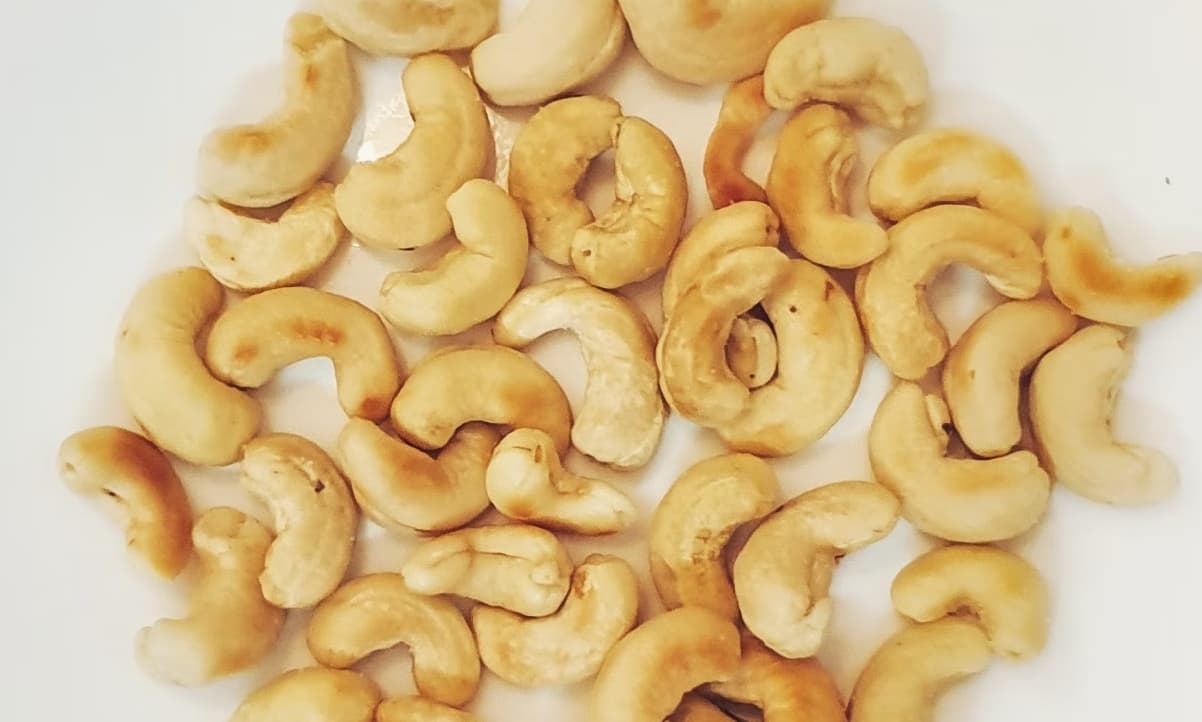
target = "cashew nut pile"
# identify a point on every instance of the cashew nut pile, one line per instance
(761, 345)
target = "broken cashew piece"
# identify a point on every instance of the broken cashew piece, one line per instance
(377, 612)
(410, 27)
(742, 113)
(751, 351)
(312, 694)
(417, 709)
(695, 708)
(785, 690)
(570, 645)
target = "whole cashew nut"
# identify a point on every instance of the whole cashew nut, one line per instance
(312, 694)
(417, 709)
(742, 113)
(410, 27)
(785, 690)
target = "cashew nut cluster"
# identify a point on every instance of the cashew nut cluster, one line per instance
(418, 709)
(785, 690)
(742, 113)
(312, 694)
(410, 27)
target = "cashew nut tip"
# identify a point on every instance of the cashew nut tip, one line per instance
(784, 689)
(312, 694)
(742, 113)
(410, 27)
(417, 709)
(752, 352)
(695, 708)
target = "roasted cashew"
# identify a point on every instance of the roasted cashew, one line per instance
(417, 709)
(742, 113)
(752, 351)
(312, 694)
(410, 27)
(786, 690)
(695, 708)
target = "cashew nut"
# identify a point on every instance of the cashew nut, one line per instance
(1073, 393)
(890, 293)
(315, 518)
(164, 383)
(377, 612)
(1087, 277)
(266, 163)
(983, 370)
(694, 521)
(312, 694)
(570, 645)
(622, 416)
(229, 627)
(751, 351)
(417, 709)
(410, 27)
(253, 340)
(783, 574)
(695, 708)
(146, 496)
(963, 500)
(742, 113)
(521, 568)
(785, 690)
(873, 69)
(400, 200)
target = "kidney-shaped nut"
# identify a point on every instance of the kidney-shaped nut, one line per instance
(570, 645)
(418, 709)
(315, 518)
(891, 291)
(229, 627)
(751, 351)
(109, 463)
(378, 612)
(983, 370)
(163, 381)
(782, 576)
(254, 339)
(410, 27)
(400, 200)
(517, 567)
(695, 708)
(622, 416)
(786, 690)
(1087, 277)
(742, 113)
(963, 500)
(269, 162)
(694, 521)
(312, 694)
(1073, 393)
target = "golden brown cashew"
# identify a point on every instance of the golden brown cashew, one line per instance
(891, 292)
(377, 612)
(808, 186)
(521, 568)
(1073, 393)
(964, 500)
(695, 520)
(410, 27)
(742, 113)
(982, 373)
(568, 646)
(163, 381)
(229, 627)
(312, 694)
(146, 496)
(751, 351)
(695, 708)
(247, 254)
(1087, 277)
(783, 574)
(269, 162)
(622, 416)
(786, 690)
(472, 282)
(400, 200)
(416, 709)
(253, 340)
(315, 518)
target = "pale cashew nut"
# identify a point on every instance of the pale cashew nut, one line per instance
(786, 690)
(377, 612)
(281, 157)
(410, 27)
(312, 694)
(163, 381)
(570, 645)
(742, 113)
(254, 339)
(1073, 393)
(229, 627)
(142, 490)
(752, 351)
(962, 500)
(400, 200)
(417, 709)
(315, 518)
(695, 708)
(891, 292)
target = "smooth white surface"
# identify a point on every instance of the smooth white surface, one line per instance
(105, 104)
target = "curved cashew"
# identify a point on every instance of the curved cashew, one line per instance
(377, 612)
(229, 627)
(163, 381)
(526, 482)
(1073, 393)
(808, 184)
(315, 518)
(982, 373)
(570, 645)
(253, 340)
(647, 673)
(416, 709)
(751, 351)
(782, 576)
(1087, 277)
(951, 165)
(695, 708)
(312, 694)
(890, 292)
(472, 282)
(742, 113)
(785, 690)
(279, 158)
(694, 521)
(1005, 593)
(964, 500)
(147, 497)
(622, 416)
(247, 254)
(517, 567)
(400, 200)
(410, 27)
(873, 69)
